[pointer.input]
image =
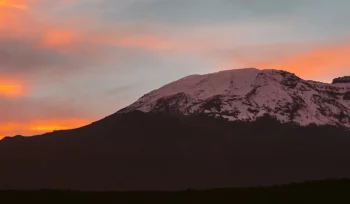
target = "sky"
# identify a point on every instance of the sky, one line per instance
(67, 63)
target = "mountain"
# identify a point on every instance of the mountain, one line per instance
(228, 129)
(248, 94)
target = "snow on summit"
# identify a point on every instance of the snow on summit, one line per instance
(247, 94)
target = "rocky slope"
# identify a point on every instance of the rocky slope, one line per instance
(248, 94)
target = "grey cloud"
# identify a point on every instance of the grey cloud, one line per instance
(26, 109)
(323, 19)
(27, 55)
(19, 56)
(198, 11)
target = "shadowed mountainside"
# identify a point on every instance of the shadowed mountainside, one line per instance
(149, 151)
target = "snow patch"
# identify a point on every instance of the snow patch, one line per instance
(248, 94)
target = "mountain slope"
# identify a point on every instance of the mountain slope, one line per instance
(247, 94)
(152, 151)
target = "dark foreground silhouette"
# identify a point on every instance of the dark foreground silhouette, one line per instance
(331, 191)
(139, 151)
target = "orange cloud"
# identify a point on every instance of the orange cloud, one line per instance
(310, 61)
(14, 15)
(44, 126)
(39, 127)
(61, 38)
(8, 127)
(58, 38)
(17, 4)
(64, 39)
(11, 89)
(319, 62)
(17, 20)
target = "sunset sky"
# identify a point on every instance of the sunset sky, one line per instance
(66, 63)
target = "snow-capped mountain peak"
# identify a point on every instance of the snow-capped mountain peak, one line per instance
(247, 94)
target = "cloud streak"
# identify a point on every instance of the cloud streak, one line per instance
(16, 4)
(311, 61)
(37, 127)
(319, 62)
(11, 89)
